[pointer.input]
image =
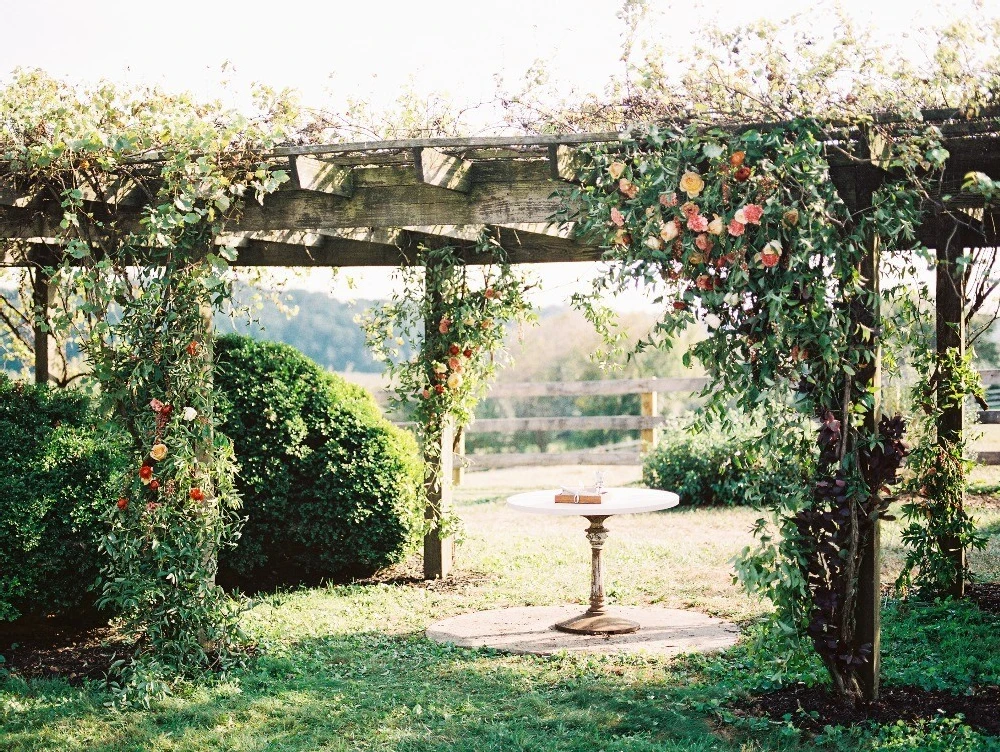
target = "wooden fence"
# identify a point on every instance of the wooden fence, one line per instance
(647, 423)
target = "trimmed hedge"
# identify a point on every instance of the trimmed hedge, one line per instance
(710, 469)
(329, 487)
(57, 472)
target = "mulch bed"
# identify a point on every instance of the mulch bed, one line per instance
(51, 648)
(981, 709)
(986, 595)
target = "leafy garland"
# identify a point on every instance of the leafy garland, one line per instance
(452, 314)
(745, 233)
(145, 282)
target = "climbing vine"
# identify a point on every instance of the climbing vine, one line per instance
(134, 189)
(452, 315)
(745, 233)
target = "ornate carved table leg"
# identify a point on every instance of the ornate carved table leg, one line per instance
(596, 620)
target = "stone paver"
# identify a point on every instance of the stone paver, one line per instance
(664, 631)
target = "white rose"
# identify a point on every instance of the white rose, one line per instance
(190, 414)
(712, 321)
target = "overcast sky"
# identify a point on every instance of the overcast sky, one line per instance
(333, 50)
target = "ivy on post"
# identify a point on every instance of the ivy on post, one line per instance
(949, 327)
(438, 435)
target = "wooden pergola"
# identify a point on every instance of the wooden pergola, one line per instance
(375, 203)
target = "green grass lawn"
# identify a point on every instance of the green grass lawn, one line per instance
(347, 667)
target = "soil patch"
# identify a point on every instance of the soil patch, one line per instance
(986, 595)
(411, 574)
(812, 708)
(48, 649)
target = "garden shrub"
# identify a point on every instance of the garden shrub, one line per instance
(329, 487)
(57, 473)
(713, 469)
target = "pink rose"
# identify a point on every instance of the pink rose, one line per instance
(628, 188)
(668, 199)
(704, 243)
(445, 325)
(753, 213)
(156, 405)
(617, 218)
(736, 228)
(697, 223)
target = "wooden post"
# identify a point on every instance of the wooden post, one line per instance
(43, 295)
(439, 550)
(950, 336)
(438, 459)
(868, 612)
(857, 188)
(458, 461)
(650, 436)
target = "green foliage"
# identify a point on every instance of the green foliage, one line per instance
(57, 474)
(137, 285)
(329, 487)
(715, 468)
(453, 316)
(744, 231)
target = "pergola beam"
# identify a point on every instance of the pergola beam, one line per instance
(435, 167)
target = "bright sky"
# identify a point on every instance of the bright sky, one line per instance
(332, 50)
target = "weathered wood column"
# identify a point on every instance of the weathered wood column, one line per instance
(43, 295)
(649, 408)
(438, 459)
(950, 336)
(857, 188)
(868, 610)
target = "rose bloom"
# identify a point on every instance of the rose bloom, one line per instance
(197, 494)
(668, 199)
(628, 188)
(426, 393)
(753, 213)
(623, 238)
(189, 414)
(617, 218)
(704, 282)
(616, 170)
(791, 217)
(715, 226)
(704, 243)
(445, 325)
(454, 363)
(696, 258)
(145, 472)
(654, 243)
(740, 216)
(691, 183)
(736, 228)
(439, 367)
(697, 223)
(690, 208)
(669, 231)
(158, 452)
(155, 405)
(455, 381)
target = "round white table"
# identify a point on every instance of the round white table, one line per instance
(596, 620)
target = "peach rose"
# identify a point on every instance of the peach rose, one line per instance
(617, 218)
(668, 231)
(736, 228)
(616, 169)
(158, 452)
(715, 226)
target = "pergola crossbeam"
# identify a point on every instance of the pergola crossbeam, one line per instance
(437, 168)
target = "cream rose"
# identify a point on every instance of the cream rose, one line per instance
(692, 183)
(158, 452)
(189, 414)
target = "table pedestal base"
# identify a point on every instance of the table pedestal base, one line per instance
(595, 624)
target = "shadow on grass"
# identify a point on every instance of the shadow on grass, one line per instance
(372, 691)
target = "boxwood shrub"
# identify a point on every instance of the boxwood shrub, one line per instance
(712, 469)
(330, 488)
(57, 471)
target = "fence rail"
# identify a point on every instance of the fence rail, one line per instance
(647, 423)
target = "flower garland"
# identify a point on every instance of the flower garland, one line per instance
(746, 233)
(452, 315)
